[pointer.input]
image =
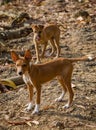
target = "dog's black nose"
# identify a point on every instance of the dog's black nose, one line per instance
(20, 73)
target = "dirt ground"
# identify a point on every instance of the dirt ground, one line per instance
(77, 39)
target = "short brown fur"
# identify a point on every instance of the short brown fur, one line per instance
(43, 34)
(61, 68)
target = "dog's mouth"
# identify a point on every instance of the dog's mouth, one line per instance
(38, 38)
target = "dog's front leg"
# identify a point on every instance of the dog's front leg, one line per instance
(37, 52)
(36, 109)
(30, 105)
(43, 50)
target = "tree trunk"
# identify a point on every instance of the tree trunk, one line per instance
(14, 34)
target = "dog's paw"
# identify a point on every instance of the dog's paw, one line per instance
(29, 107)
(35, 112)
(66, 106)
(58, 99)
(36, 109)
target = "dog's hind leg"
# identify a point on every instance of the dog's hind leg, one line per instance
(71, 95)
(67, 79)
(64, 89)
(57, 46)
(53, 46)
(43, 50)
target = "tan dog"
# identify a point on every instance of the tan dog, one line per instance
(35, 75)
(43, 34)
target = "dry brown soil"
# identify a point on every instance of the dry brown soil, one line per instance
(76, 40)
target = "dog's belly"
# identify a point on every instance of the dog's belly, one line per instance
(47, 77)
(40, 41)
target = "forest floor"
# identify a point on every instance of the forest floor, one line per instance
(77, 39)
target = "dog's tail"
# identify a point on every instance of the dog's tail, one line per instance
(84, 58)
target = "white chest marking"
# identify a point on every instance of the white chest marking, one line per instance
(27, 78)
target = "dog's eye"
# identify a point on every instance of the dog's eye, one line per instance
(17, 64)
(35, 31)
(24, 65)
(39, 32)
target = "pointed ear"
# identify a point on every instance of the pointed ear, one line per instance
(41, 26)
(33, 26)
(14, 56)
(27, 55)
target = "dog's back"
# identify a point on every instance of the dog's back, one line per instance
(51, 31)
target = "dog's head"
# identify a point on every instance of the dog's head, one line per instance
(22, 63)
(37, 29)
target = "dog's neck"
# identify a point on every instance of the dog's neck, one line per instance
(27, 78)
(26, 75)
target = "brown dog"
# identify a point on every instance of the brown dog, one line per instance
(35, 75)
(43, 34)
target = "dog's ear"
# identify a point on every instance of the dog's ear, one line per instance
(27, 55)
(33, 26)
(14, 56)
(41, 26)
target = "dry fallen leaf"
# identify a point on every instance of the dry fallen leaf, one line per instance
(48, 107)
(22, 122)
(28, 123)
(80, 106)
(35, 122)
(26, 118)
(8, 83)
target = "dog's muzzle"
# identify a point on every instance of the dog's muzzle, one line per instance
(20, 73)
